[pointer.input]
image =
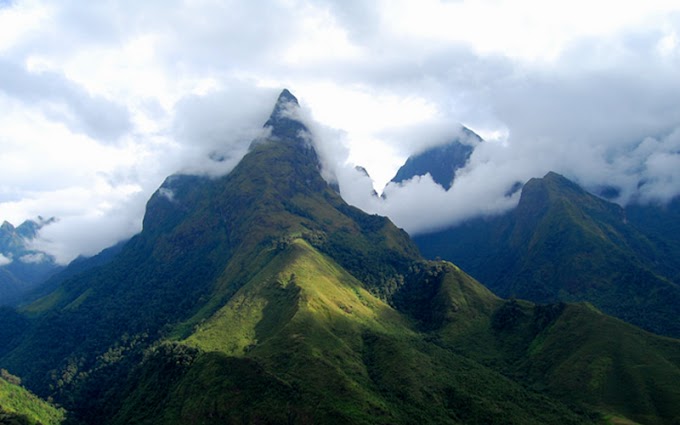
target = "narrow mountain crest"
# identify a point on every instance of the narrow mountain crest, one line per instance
(283, 120)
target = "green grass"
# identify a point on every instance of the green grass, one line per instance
(611, 365)
(45, 303)
(24, 407)
(617, 420)
(298, 282)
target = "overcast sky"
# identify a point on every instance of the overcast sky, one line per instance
(102, 100)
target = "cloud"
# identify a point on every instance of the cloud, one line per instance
(93, 219)
(640, 169)
(215, 129)
(64, 101)
(167, 194)
(417, 138)
(420, 205)
(600, 127)
(35, 258)
(4, 260)
(603, 112)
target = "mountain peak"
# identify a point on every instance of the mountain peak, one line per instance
(552, 176)
(284, 119)
(554, 183)
(441, 161)
(537, 193)
(287, 96)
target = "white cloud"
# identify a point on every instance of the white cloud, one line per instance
(526, 29)
(220, 125)
(60, 100)
(167, 194)
(34, 258)
(420, 205)
(4, 260)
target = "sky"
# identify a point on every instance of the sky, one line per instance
(101, 101)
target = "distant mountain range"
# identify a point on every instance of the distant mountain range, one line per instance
(22, 268)
(261, 297)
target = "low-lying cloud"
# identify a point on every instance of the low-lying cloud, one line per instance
(616, 135)
(648, 171)
(215, 129)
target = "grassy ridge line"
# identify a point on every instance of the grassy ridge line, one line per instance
(305, 334)
(298, 281)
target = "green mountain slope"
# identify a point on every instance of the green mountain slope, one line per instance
(198, 247)
(323, 349)
(562, 243)
(571, 352)
(19, 406)
(262, 297)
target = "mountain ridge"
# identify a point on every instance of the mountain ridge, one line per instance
(562, 243)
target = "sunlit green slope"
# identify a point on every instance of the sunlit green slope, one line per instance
(19, 406)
